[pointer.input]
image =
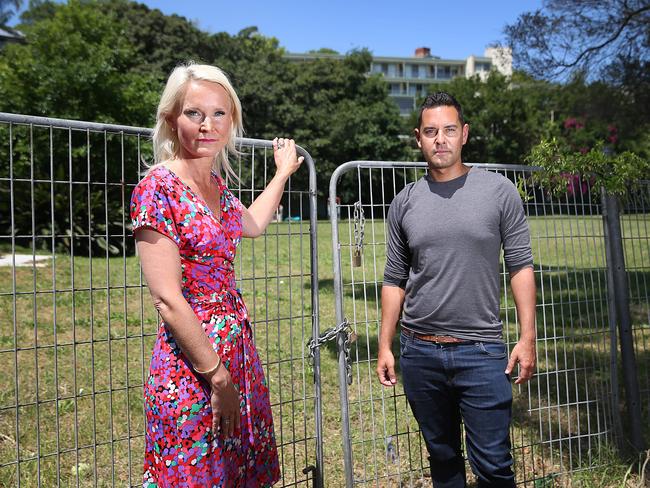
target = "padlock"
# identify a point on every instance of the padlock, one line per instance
(356, 258)
(353, 337)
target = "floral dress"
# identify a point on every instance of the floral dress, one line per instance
(181, 450)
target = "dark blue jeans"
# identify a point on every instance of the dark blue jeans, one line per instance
(447, 383)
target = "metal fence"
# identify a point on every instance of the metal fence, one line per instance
(568, 417)
(77, 324)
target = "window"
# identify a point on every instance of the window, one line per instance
(444, 72)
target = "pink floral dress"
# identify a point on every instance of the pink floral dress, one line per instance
(181, 450)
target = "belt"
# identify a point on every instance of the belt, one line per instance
(215, 301)
(438, 339)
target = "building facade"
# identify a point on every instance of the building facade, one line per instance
(408, 77)
(7, 34)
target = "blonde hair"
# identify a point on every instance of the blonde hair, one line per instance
(165, 141)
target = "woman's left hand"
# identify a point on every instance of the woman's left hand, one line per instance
(286, 157)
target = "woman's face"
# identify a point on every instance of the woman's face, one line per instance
(204, 123)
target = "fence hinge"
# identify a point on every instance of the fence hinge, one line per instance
(331, 334)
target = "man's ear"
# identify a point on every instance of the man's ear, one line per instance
(465, 133)
(417, 137)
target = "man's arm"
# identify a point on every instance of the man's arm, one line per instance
(522, 283)
(392, 299)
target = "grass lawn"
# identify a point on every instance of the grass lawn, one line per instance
(76, 336)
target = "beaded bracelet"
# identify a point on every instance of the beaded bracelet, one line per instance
(211, 370)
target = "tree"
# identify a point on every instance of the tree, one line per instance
(507, 116)
(601, 52)
(580, 35)
(8, 9)
(341, 113)
(107, 60)
(78, 65)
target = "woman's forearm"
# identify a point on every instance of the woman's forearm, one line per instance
(187, 331)
(262, 210)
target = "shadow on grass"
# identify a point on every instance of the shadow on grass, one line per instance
(568, 409)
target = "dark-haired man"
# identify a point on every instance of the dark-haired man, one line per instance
(445, 235)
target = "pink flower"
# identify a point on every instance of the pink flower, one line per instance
(570, 123)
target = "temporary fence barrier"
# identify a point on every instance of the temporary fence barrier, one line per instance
(567, 418)
(77, 324)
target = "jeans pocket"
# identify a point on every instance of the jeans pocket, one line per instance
(495, 350)
(404, 341)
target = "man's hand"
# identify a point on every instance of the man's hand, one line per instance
(386, 368)
(524, 354)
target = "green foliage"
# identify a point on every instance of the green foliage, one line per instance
(509, 116)
(340, 113)
(324, 50)
(76, 64)
(562, 37)
(561, 165)
(107, 61)
(8, 8)
(506, 116)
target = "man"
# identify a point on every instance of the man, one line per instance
(445, 234)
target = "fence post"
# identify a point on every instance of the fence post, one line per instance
(340, 339)
(613, 336)
(618, 275)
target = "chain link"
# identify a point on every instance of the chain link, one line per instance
(359, 226)
(330, 335)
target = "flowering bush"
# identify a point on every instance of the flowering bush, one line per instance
(566, 171)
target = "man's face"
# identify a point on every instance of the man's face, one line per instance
(441, 137)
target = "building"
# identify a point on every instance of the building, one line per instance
(7, 34)
(409, 77)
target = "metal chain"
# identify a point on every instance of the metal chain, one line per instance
(330, 335)
(359, 226)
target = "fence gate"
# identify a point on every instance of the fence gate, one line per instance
(566, 417)
(76, 321)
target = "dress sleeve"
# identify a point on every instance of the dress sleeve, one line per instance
(152, 208)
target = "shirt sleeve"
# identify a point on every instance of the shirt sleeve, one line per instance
(398, 256)
(152, 208)
(515, 234)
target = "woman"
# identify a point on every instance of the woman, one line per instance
(206, 400)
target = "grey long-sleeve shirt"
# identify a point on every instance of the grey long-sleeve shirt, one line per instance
(444, 244)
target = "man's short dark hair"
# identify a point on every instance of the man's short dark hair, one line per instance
(441, 99)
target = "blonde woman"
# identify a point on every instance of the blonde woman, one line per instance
(206, 400)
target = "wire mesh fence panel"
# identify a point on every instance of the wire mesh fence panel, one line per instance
(77, 325)
(562, 418)
(635, 228)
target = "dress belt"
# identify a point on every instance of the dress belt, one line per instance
(216, 299)
(438, 339)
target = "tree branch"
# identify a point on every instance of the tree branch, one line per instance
(624, 24)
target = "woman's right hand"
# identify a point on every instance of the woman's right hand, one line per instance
(224, 400)
(286, 158)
